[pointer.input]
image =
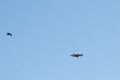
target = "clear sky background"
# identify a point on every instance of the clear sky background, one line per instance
(47, 32)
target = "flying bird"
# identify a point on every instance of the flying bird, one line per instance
(9, 34)
(76, 55)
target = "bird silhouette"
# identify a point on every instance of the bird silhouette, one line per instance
(9, 34)
(76, 55)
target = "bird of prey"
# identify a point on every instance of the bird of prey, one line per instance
(9, 34)
(76, 55)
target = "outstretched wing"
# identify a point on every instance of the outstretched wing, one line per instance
(80, 54)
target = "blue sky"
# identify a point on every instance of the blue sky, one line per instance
(47, 32)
